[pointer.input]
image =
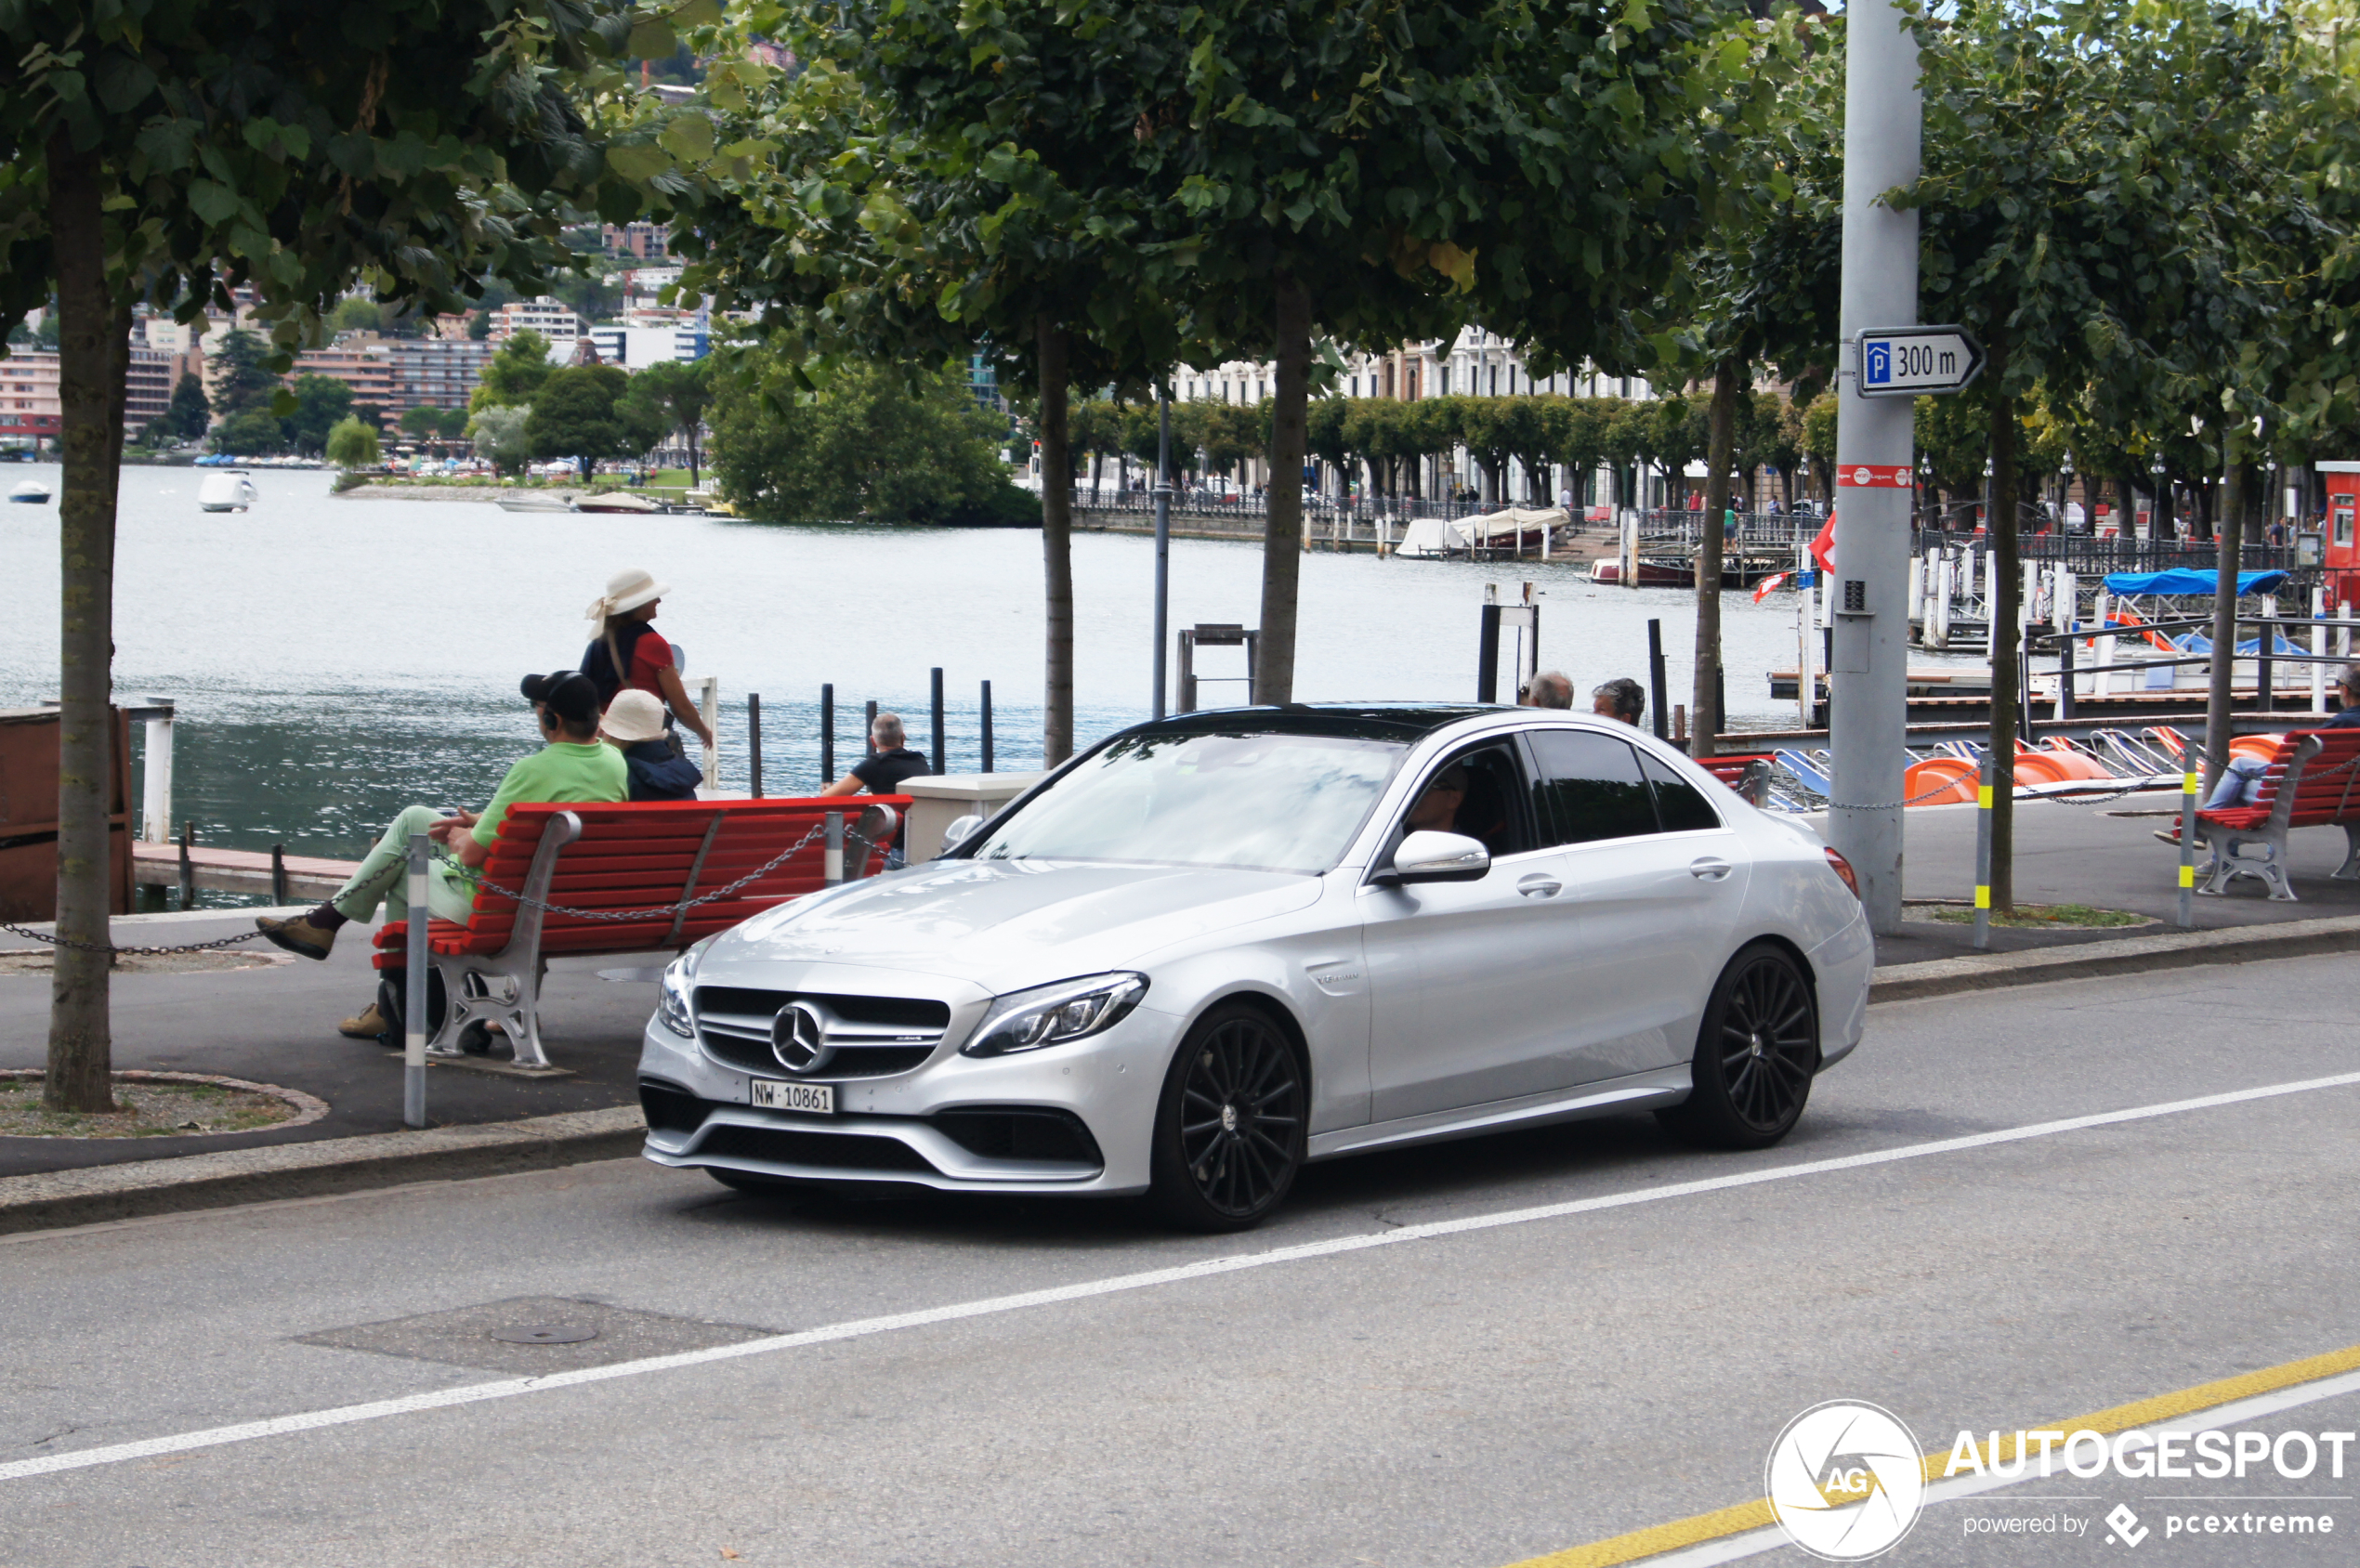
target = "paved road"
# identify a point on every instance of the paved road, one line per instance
(1612, 1357)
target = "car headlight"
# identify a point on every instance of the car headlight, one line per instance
(672, 998)
(1053, 1014)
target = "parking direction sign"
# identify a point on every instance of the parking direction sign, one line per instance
(1913, 362)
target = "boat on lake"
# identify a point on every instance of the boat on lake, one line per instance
(616, 501)
(537, 501)
(31, 493)
(231, 490)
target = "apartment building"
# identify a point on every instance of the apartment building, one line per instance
(29, 408)
(439, 373)
(551, 320)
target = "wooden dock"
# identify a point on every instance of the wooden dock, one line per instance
(237, 871)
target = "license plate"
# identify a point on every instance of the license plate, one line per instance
(771, 1095)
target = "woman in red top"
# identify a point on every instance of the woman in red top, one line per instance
(629, 655)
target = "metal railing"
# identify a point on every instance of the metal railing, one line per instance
(2089, 557)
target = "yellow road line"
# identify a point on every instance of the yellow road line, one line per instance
(1659, 1538)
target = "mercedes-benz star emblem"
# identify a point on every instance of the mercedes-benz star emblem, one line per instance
(799, 1037)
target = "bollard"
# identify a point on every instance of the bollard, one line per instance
(2065, 680)
(832, 871)
(986, 726)
(827, 736)
(1983, 852)
(2189, 785)
(1654, 678)
(709, 709)
(187, 870)
(754, 743)
(413, 1003)
(279, 873)
(939, 758)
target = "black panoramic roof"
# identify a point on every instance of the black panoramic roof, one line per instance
(1402, 722)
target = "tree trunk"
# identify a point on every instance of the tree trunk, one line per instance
(1056, 543)
(1282, 543)
(694, 483)
(2229, 534)
(1704, 717)
(2006, 605)
(92, 358)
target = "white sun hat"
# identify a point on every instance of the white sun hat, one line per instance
(634, 716)
(625, 590)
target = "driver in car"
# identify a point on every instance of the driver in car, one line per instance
(1437, 809)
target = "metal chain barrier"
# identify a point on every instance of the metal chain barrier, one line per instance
(132, 952)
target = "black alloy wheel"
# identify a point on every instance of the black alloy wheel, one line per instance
(1756, 1052)
(1229, 1129)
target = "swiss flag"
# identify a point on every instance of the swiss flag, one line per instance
(1761, 589)
(1823, 549)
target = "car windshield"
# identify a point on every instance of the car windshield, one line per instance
(1280, 803)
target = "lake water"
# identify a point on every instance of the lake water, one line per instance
(336, 659)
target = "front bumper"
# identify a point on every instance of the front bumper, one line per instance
(1073, 1119)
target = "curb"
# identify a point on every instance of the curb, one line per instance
(322, 1167)
(2129, 955)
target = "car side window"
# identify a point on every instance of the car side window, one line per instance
(1489, 808)
(1589, 786)
(1680, 805)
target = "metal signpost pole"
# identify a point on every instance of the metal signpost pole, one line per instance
(1163, 539)
(413, 1000)
(2189, 780)
(1875, 458)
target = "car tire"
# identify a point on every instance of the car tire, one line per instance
(1230, 1125)
(1756, 1052)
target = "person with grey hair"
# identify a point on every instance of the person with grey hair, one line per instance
(1550, 689)
(890, 762)
(1621, 699)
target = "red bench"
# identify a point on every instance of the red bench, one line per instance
(2314, 782)
(616, 858)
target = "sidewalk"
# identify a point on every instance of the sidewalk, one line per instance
(277, 1025)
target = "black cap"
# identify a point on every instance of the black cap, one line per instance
(569, 693)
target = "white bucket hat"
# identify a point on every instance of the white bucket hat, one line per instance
(634, 716)
(625, 590)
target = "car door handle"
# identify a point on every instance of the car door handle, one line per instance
(1539, 886)
(1708, 868)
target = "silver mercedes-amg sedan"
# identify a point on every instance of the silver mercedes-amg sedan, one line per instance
(1213, 947)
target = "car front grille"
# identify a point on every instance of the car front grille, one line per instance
(836, 1151)
(875, 1037)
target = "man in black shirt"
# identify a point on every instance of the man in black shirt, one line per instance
(890, 762)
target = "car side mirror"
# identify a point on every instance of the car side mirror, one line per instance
(957, 832)
(1429, 857)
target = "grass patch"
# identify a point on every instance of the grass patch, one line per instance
(144, 1110)
(2046, 917)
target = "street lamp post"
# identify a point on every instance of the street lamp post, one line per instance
(1163, 537)
(1876, 455)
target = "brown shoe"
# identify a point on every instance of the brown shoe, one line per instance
(370, 1024)
(298, 936)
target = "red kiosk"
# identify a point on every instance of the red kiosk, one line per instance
(2338, 555)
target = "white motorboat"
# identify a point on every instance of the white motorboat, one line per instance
(617, 500)
(537, 501)
(31, 493)
(228, 489)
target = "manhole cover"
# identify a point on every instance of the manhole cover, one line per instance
(545, 1334)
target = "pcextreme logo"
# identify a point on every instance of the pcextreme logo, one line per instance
(1845, 1481)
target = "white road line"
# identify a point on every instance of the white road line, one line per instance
(344, 1415)
(2221, 1418)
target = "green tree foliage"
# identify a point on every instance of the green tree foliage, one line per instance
(250, 434)
(674, 395)
(352, 444)
(514, 373)
(577, 414)
(866, 446)
(242, 381)
(322, 404)
(189, 413)
(501, 437)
